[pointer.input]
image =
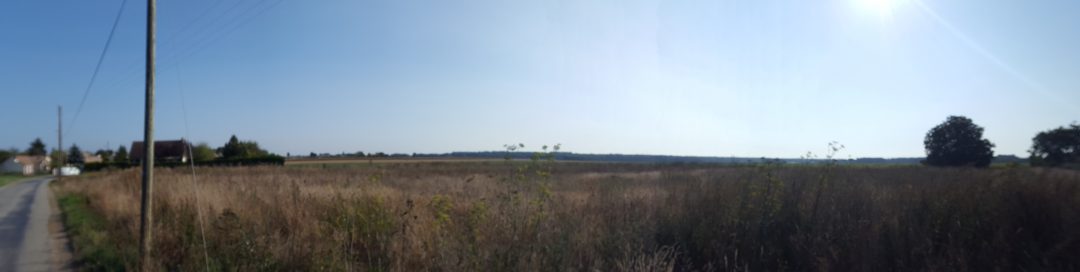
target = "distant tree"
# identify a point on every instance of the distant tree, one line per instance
(958, 142)
(232, 148)
(105, 154)
(75, 155)
(1056, 147)
(58, 158)
(37, 148)
(121, 155)
(236, 149)
(313, 155)
(202, 152)
(5, 154)
(359, 154)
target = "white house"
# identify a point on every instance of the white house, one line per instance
(27, 165)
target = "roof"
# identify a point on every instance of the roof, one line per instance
(91, 158)
(30, 160)
(162, 149)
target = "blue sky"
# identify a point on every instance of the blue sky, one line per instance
(713, 78)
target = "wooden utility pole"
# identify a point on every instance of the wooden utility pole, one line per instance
(148, 144)
(59, 143)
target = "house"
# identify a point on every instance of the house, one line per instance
(89, 158)
(26, 164)
(164, 151)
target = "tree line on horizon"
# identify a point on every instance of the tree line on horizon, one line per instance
(233, 150)
(956, 142)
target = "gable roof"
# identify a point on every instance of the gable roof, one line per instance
(30, 160)
(162, 149)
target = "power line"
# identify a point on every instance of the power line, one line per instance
(131, 67)
(225, 30)
(97, 68)
(130, 72)
(198, 18)
(203, 39)
(215, 20)
(194, 177)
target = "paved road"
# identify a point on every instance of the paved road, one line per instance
(25, 244)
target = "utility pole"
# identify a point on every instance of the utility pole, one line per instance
(148, 143)
(59, 142)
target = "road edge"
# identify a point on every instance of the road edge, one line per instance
(63, 253)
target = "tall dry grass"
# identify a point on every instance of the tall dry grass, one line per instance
(495, 217)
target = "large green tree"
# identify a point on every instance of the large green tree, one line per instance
(958, 142)
(1056, 147)
(37, 148)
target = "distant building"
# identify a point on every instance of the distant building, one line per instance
(164, 151)
(89, 158)
(27, 165)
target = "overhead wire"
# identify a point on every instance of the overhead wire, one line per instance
(97, 67)
(191, 23)
(200, 39)
(246, 17)
(132, 68)
(177, 58)
(194, 176)
(131, 74)
(204, 40)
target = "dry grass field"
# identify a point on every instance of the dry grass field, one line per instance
(353, 161)
(533, 216)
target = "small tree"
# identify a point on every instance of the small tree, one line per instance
(59, 158)
(5, 154)
(105, 154)
(958, 142)
(1056, 147)
(121, 155)
(75, 155)
(232, 148)
(37, 148)
(202, 152)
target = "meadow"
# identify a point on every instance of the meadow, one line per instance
(541, 215)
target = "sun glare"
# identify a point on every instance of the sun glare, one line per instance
(881, 8)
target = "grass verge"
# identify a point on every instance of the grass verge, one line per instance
(5, 179)
(89, 235)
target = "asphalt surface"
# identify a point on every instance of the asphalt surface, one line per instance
(25, 244)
